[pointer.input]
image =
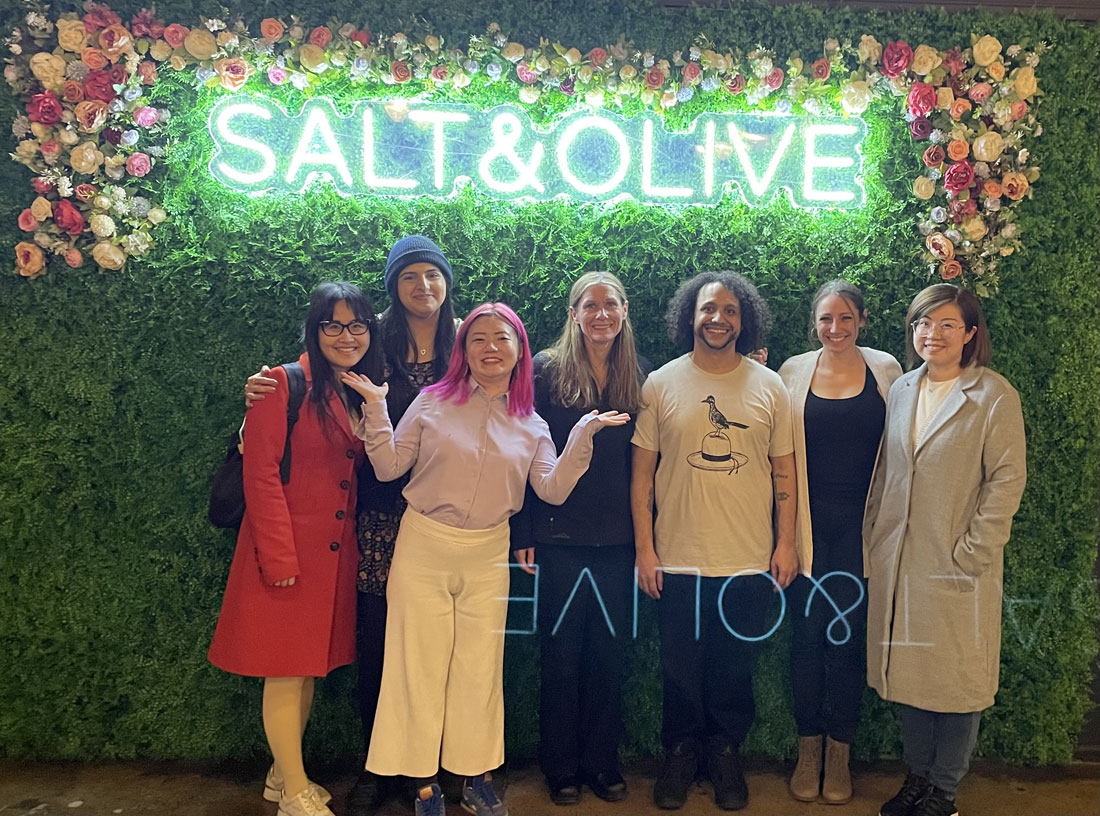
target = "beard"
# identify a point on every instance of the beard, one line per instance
(701, 335)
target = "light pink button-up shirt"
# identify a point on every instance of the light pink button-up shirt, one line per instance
(471, 463)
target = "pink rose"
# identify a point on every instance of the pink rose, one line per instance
(50, 148)
(980, 92)
(821, 69)
(896, 58)
(690, 73)
(41, 185)
(525, 74)
(400, 71)
(597, 57)
(654, 78)
(736, 84)
(774, 80)
(85, 192)
(1018, 109)
(147, 70)
(45, 108)
(27, 221)
(958, 177)
(138, 165)
(175, 34)
(439, 73)
(147, 117)
(922, 99)
(321, 36)
(275, 75)
(73, 257)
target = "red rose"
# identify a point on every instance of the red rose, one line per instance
(147, 70)
(41, 186)
(920, 128)
(922, 99)
(362, 37)
(954, 62)
(27, 221)
(934, 156)
(774, 80)
(320, 36)
(68, 217)
(97, 16)
(119, 74)
(597, 57)
(736, 84)
(821, 69)
(99, 85)
(175, 34)
(112, 136)
(146, 24)
(45, 108)
(654, 78)
(399, 70)
(72, 91)
(690, 73)
(85, 192)
(958, 176)
(896, 58)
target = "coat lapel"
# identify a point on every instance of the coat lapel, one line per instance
(907, 409)
(951, 406)
(335, 405)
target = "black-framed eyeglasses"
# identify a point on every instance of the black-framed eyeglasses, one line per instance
(334, 328)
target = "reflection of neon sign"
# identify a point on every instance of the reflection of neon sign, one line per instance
(398, 148)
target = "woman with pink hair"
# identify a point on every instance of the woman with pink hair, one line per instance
(472, 442)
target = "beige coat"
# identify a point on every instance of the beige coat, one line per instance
(934, 532)
(797, 373)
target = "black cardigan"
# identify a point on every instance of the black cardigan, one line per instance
(597, 512)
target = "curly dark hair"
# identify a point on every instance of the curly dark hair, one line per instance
(756, 318)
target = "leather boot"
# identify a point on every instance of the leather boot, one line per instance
(837, 789)
(806, 780)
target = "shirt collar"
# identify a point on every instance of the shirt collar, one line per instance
(475, 388)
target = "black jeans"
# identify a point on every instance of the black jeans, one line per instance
(828, 645)
(706, 667)
(580, 703)
(370, 633)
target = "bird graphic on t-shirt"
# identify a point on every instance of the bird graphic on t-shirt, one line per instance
(718, 419)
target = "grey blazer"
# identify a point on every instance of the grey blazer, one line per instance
(937, 520)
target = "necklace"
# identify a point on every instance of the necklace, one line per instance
(423, 352)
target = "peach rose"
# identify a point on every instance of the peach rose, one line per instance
(86, 158)
(996, 70)
(940, 246)
(513, 52)
(71, 35)
(41, 208)
(48, 69)
(271, 29)
(232, 72)
(29, 260)
(200, 44)
(986, 50)
(944, 97)
(959, 108)
(1014, 185)
(91, 115)
(72, 91)
(1018, 109)
(313, 59)
(93, 58)
(989, 146)
(160, 50)
(27, 222)
(958, 150)
(178, 62)
(992, 188)
(115, 41)
(627, 72)
(950, 269)
(73, 257)
(108, 255)
(1023, 82)
(870, 49)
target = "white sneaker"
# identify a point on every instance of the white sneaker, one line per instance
(306, 803)
(273, 788)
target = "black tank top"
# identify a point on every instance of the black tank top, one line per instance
(842, 437)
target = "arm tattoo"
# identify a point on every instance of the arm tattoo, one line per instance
(649, 500)
(782, 496)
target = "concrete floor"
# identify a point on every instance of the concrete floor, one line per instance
(233, 789)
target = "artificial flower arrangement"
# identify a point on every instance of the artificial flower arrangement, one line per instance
(92, 138)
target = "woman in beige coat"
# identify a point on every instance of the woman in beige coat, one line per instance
(838, 400)
(947, 483)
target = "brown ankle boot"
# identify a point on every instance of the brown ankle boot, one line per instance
(806, 780)
(837, 789)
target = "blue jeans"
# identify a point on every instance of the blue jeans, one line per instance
(938, 746)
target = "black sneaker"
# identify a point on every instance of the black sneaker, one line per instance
(936, 803)
(677, 774)
(366, 795)
(905, 801)
(564, 790)
(731, 792)
(607, 785)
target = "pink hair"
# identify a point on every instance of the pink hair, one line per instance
(453, 385)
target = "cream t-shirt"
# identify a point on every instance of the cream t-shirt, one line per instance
(930, 398)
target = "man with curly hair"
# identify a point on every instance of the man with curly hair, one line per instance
(721, 424)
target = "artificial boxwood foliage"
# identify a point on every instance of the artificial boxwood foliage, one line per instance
(119, 389)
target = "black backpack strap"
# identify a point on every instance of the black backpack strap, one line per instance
(296, 381)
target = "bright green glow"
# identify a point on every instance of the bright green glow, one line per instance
(317, 124)
(404, 147)
(813, 161)
(570, 135)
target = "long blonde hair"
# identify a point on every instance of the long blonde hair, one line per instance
(573, 383)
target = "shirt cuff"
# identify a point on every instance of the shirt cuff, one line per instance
(374, 418)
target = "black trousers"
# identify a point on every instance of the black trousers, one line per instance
(828, 643)
(584, 623)
(706, 667)
(370, 633)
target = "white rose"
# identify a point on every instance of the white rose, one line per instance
(855, 96)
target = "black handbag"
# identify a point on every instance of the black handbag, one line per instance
(226, 508)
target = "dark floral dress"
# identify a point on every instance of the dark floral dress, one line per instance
(380, 514)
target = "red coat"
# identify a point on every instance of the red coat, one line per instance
(304, 529)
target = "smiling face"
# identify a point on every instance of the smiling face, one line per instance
(345, 349)
(717, 322)
(492, 350)
(599, 313)
(421, 289)
(837, 323)
(940, 342)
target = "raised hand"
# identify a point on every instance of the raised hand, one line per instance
(609, 418)
(361, 383)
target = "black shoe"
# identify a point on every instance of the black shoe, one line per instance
(731, 792)
(905, 801)
(677, 775)
(936, 803)
(564, 790)
(608, 785)
(366, 795)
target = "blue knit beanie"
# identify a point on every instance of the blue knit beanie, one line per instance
(414, 249)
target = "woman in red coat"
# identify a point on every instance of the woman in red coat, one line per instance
(288, 614)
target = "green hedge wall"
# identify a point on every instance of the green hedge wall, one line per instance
(119, 389)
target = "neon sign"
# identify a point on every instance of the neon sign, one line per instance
(418, 148)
